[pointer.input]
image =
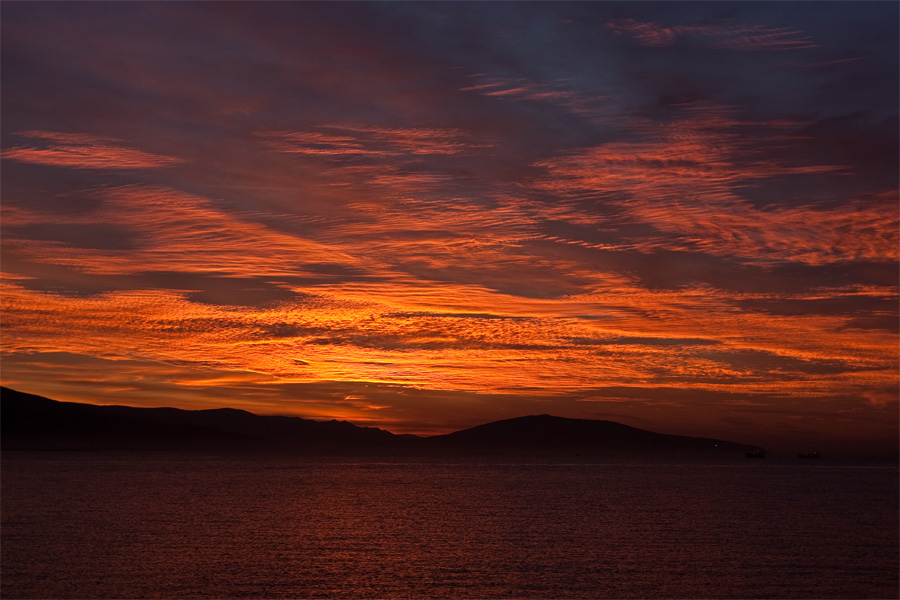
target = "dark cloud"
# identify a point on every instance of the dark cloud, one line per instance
(762, 364)
(78, 235)
(841, 304)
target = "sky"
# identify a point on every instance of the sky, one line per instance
(427, 216)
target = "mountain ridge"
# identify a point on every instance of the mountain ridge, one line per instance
(582, 435)
(31, 422)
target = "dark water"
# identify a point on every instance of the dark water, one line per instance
(141, 526)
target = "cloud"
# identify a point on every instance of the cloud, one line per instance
(562, 93)
(176, 231)
(371, 141)
(391, 332)
(83, 151)
(731, 36)
(685, 179)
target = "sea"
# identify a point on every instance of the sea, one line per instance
(168, 525)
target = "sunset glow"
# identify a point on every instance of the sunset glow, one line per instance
(424, 217)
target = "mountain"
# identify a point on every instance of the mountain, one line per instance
(34, 422)
(29, 422)
(549, 434)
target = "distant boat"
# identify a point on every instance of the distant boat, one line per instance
(758, 454)
(810, 455)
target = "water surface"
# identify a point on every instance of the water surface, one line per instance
(224, 526)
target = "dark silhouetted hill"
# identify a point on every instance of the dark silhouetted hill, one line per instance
(29, 422)
(34, 422)
(549, 434)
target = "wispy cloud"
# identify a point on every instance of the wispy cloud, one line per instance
(175, 231)
(686, 178)
(720, 35)
(83, 151)
(368, 141)
(392, 333)
(562, 93)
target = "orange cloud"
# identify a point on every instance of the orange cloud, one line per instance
(684, 179)
(393, 333)
(370, 141)
(175, 231)
(83, 151)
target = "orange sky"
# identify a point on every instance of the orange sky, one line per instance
(429, 216)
